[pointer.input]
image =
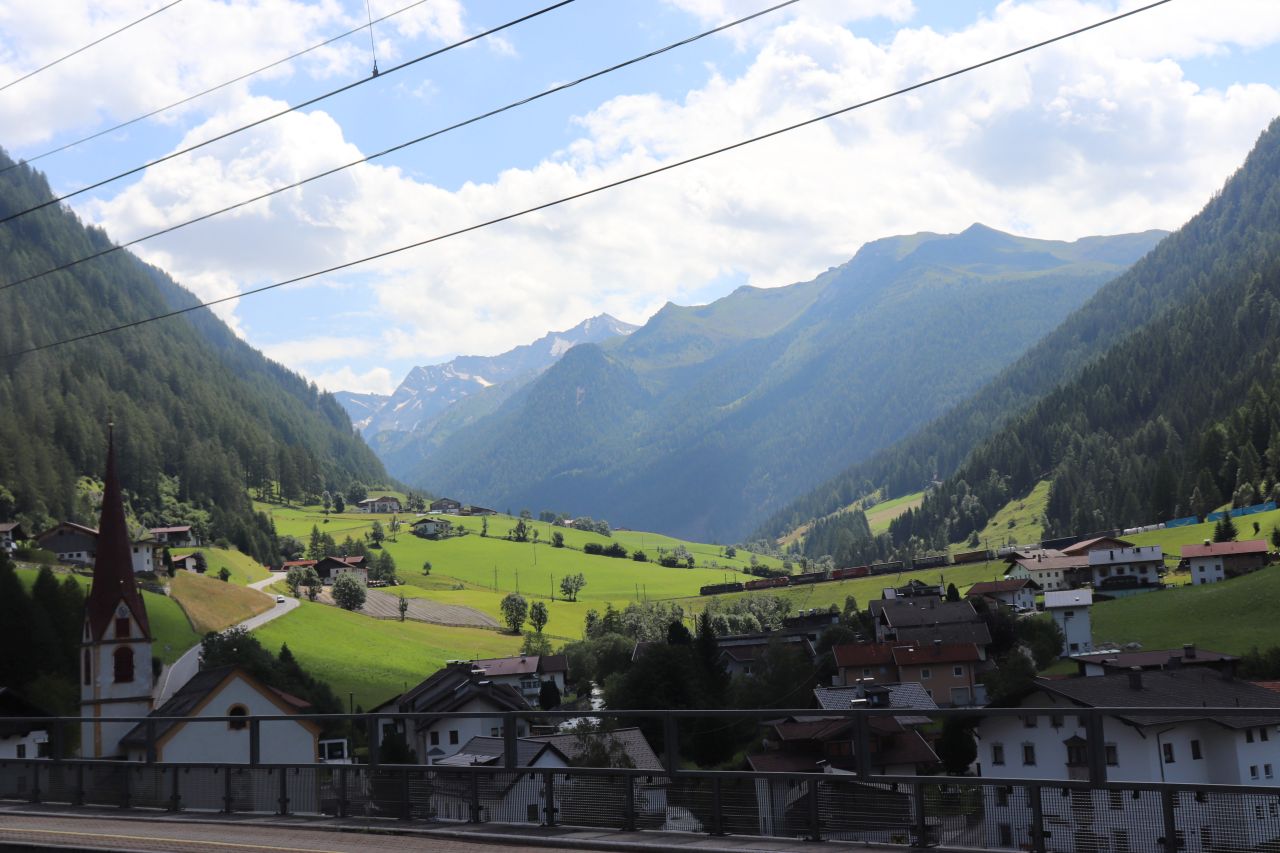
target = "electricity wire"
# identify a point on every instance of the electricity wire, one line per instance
(93, 43)
(294, 108)
(657, 170)
(189, 98)
(401, 146)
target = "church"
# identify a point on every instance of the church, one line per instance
(117, 676)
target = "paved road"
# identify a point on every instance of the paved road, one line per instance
(180, 671)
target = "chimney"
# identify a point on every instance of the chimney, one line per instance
(1189, 651)
(1135, 678)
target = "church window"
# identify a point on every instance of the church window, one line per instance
(122, 627)
(123, 665)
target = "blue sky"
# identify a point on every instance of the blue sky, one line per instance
(1120, 130)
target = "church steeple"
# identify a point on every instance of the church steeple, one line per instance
(113, 580)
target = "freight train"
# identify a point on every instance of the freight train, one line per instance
(843, 574)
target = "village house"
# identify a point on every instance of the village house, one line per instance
(477, 510)
(1049, 568)
(1049, 743)
(431, 528)
(382, 504)
(186, 562)
(1116, 661)
(458, 687)
(1016, 593)
(1218, 561)
(525, 673)
(174, 537)
(740, 652)
(77, 545)
(949, 673)
(331, 568)
(21, 740)
(447, 506)
(1070, 611)
(1118, 572)
(11, 533)
(924, 619)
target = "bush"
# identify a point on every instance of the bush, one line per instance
(640, 557)
(593, 548)
(615, 550)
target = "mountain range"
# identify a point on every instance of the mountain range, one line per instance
(707, 419)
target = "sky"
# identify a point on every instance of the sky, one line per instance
(1121, 129)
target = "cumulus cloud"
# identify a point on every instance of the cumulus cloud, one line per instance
(1101, 134)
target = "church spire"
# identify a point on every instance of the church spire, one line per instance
(113, 580)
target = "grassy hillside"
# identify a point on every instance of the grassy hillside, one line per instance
(1020, 522)
(212, 605)
(244, 569)
(169, 626)
(373, 658)
(879, 516)
(1232, 616)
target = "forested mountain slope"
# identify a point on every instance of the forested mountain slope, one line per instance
(1178, 415)
(199, 414)
(707, 418)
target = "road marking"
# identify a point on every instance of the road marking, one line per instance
(168, 840)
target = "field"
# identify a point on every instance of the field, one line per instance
(244, 569)
(386, 605)
(212, 605)
(172, 632)
(373, 658)
(879, 516)
(1232, 616)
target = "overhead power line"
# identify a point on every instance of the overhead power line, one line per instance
(189, 98)
(97, 41)
(403, 145)
(594, 190)
(307, 103)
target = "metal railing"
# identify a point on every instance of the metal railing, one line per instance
(1081, 810)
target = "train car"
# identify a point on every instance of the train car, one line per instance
(886, 568)
(717, 588)
(851, 572)
(768, 583)
(929, 562)
(980, 556)
(809, 577)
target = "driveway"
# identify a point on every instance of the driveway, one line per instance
(180, 671)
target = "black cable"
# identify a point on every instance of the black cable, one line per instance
(553, 90)
(135, 170)
(82, 49)
(594, 190)
(210, 90)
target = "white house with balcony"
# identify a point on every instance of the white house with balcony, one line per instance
(1070, 610)
(1049, 742)
(1119, 572)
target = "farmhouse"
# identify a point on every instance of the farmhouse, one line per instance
(187, 562)
(383, 504)
(77, 544)
(1070, 611)
(948, 673)
(11, 533)
(1050, 569)
(174, 537)
(431, 528)
(477, 510)
(445, 505)
(1218, 561)
(928, 618)
(458, 687)
(1118, 572)
(331, 568)
(21, 740)
(1016, 593)
(1115, 661)
(1049, 743)
(739, 652)
(525, 673)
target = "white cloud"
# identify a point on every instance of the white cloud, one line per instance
(376, 380)
(1101, 134)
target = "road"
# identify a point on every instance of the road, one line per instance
(180, 671)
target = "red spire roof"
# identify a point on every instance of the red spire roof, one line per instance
(113, 579)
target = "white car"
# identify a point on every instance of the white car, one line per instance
(279, 599)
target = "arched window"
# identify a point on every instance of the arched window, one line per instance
(123, 665)
(238, 711)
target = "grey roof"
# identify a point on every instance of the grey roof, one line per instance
(181, 704)
(633, 743)
(13, 705)
(956, 632)
(450, 688)
(491, 750)
(922, 610)
(908, 694)
(1197, 687)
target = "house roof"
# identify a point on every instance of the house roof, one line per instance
(959, 632)
(78, 528)
(1068, 598)
(910, 747)
(186, 528)
(485, 750)
(938, 652)
(1053, 563)
(453, 686)
(1225, 549)
(1086, 545)
(987, 588)
(863, 654)
(554, 663)
(113, 579)
(924, 610)
(378, 500)
(6, 526)
(1152, 658)
(743, 654)
(290, 564)
(1196, 687)
(908, 694)
(633, 742)
(13, 705)
(522, 665)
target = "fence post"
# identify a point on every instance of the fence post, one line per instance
(1167, 803)
(283, 799)
(717, 807)
(549, 794)
(861, 746)
(77, 799)
(629, 804)
(406, 807)
(815, 814)
(255, 742)
(371, 728)
(55, 741)
(510, 743)
(1037, 819)
(922, 822)
(1095, 740)
(671, 743)
(227, 801)
(342, 790)
(175, 795)
(151, 742)
(125, 794)
(475, 797)
(35, 781)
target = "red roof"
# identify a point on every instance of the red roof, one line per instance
(1226, 549)
(1087, 545)
(936, 653)
(1008, 585)
(289, 564)
(864, 654)
(113, 579)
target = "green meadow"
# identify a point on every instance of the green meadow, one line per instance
(244, 569)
